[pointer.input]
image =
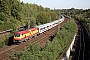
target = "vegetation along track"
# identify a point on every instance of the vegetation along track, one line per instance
(7, 32)
(82, 50)
(42, 39)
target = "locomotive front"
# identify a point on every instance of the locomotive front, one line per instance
(18, 37)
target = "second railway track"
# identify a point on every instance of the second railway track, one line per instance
(82, 50)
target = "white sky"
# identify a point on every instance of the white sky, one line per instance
(61, 4)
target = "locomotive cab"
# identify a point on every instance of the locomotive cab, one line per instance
(18, 37)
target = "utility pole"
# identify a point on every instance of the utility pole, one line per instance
(89, 24)
(58, 22)
(28, 22)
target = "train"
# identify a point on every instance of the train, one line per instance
(20, 36)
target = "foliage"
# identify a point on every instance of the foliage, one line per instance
(45, 17)
(13, 55)
(2, 43)
(53, 49)
(14, 13)
(6, 40)
(84, 17)
(2, 16)
(80, 14)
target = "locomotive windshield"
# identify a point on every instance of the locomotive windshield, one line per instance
(17, 35)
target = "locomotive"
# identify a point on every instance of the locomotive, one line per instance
(29, 33)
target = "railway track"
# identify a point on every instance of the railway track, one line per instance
(10, 30)
(82, 45)
(6, 32)
(82, 51)
(42, 39)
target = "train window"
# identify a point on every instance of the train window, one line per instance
(17, 35)
(41, 28)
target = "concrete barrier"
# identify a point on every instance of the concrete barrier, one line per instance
(67, 55)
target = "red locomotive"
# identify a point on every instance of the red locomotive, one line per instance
(26, 34)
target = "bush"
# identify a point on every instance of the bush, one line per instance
(2, 16)
(53, 49)
(2, 43)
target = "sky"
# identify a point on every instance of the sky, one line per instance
(61, 4)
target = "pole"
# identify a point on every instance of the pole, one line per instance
(28, 22)
(58, 23)
(89, 24)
